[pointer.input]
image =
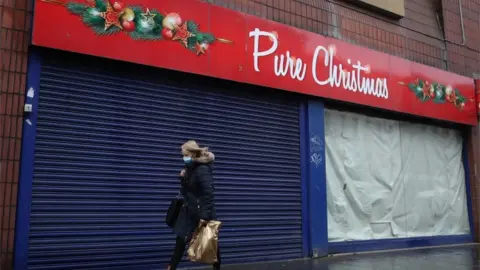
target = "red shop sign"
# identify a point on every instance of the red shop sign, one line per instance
(197, 37)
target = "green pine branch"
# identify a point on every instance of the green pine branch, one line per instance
(155, 33)
(440, 95)
(205, 37)
(76, 8)
(413, 87)
(101, 5)
(152, 36)
(191, 42)
(200, 37)
(192, 27)
(97, 24)
(137, 10)
(209, 37)
(91, 18)
(158, 17)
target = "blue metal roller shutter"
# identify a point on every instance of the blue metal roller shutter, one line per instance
(107, 159)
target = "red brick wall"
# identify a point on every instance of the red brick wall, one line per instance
(15, 20)
(473, 155)
(463, 59)
(474, 158)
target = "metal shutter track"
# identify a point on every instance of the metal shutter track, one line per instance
(106, 165)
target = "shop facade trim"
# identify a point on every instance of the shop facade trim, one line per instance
(468, 183)
(315, 226)
(399, 243)
(314, 197)
(22, 225)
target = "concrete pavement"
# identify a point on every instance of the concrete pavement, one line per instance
(448, 258)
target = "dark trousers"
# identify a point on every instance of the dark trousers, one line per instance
(180, 250)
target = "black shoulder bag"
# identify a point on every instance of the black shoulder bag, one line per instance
(173, 211)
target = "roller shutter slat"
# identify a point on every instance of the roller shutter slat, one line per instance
(107, 161)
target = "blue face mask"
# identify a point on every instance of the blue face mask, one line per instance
(187, 160)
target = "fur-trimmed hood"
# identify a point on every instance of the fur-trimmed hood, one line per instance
(206, 158)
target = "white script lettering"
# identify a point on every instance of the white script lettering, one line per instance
(349, 80)
(295, 65)
(283, 64)
(256, 54)
(355, 79)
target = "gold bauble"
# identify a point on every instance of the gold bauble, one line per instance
(128, 15)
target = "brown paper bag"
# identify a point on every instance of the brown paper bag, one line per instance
(204, 244)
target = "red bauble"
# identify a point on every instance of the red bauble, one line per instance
(167, 34)
(128, 26)
(118, 6)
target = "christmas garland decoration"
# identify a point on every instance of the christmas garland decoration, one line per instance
(108, 17)
(437, 93)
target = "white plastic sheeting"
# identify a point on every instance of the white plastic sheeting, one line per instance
(392, 179)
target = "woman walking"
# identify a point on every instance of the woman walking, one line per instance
(197, 190)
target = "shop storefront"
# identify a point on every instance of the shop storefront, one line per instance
(115, 90)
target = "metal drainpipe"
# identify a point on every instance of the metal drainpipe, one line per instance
(464, 38)
(477, 101)
(444, 39)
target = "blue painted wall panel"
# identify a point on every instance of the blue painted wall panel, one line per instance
(22, 225)
(317, 180)
(305, 170)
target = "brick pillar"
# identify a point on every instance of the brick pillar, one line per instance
(474, 160)
(473, 157)
(15, 24)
